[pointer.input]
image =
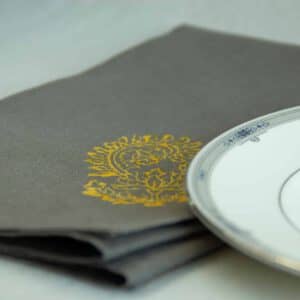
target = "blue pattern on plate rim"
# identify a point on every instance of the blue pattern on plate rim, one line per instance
(247, 133)
(201, 174)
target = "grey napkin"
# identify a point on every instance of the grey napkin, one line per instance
(107, 151)
(135, 268)
(86, 248)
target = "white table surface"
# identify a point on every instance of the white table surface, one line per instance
(44, 40)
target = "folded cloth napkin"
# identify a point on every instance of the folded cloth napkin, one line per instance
(107, 151)
(89, 247)
(136, 267)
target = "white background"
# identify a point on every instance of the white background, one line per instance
(44, 40)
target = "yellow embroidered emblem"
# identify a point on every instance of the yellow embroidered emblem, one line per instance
(148, 170)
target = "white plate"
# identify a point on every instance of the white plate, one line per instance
(245, 186)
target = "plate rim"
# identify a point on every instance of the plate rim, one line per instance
(259, 253)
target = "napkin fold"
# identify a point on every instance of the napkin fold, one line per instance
(89, 247)
(131, 270)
